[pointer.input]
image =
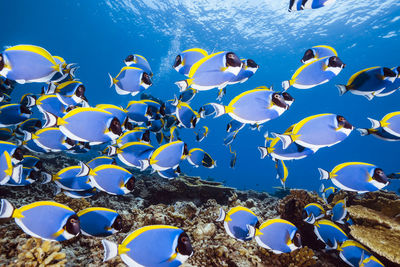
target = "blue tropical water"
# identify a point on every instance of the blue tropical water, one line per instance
(98, 35)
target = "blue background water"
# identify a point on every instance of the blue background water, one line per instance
(98, 35)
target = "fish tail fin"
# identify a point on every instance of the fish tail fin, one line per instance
(219, 109)
(51, 89)
(31, 101)
(375, 123)
(310, 219)
(362, 132)
(6, 209)
(175, 102)
(251, 231)
(324, 175)
(286, 84)
(50, 119)
(286, 139)
(328, 212)
(144, 164)
(321, 188)
(17, 174)
(85, 170)
(110, 250)
(46, 178)
(72, 71)
(183, 85)
(264, 151)
(342, 89)
(221, 216)
(112, 80)
(27, 136)
(58, 67)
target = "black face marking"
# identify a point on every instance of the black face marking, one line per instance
(178, 61)
(336, 62)
(115, 127)
(309, 54)
(72, 226)
(194, 121)
(287, 96)
(304, 214)
(118, 223)
(232, 60)
(146, 136)
(80, 91)
(297, 239)
(343, 122)
(251, 63)
(258, 224)
(207, 161)
(398, 71)
(162, 109)
(184, 246)
(129, 58)
(70, 141)
(178, 170)
(18, 154)
(278, 100)
(130, 185)
(330, 198)
(149, 112)
(185, 150)
(146, 78)
(388, 72)
(1, 61)
(380, 176)
(25, 110)
(38, 124)
(128, 125)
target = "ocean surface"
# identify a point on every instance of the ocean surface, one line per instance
(99, 34)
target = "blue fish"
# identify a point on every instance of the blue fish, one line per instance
(29, 125)
(212, 71)
(379, 133)
(51, 139)
(317, 52)
(138, 61)
(234, 125)
(138, 111)
(329, 233)
(339, 211)
(352, 252)
(391, 87)
(156, 126)
(312, 212)
(278, 235)
(70, 93)
(187, 95)
(327, 193)
(13, 150)
(168, 156)
(96, 221)
(249, 68)
(308, 4)
(186, 116)
(28, 63)
(139, 134)
(133, 154)
(315, 73)
(44, 219)
(8, 171)
(118, 112)
(87, 125)
(282, 171)
(254, 106)
(100, 161)
(170, 173)
(33, 162)
(201, 134)
(112, 179)
(6, 134)
(198, 156)
(73, 178)
(237, 222)
(12, 114)
(368, 82)
(131, 80)
(390, 123)
(314, 132)
(51, 104)
(371, 261)
(356, 176)
(230, 137)
(185, 60)
(137, 249)
(206, 110)
(28, 176)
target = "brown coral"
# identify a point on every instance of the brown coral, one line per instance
(76, 204)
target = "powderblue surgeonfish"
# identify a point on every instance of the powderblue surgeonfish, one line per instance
(187, 95)
(254, 106)
(8, 171)
(97, 221)
(28, 176)
(379, 133)
(12, 114)
(315, 73)
(234, 125)
(278, 235)
(131, 80)
(391, 87)
(47, 220)
(153, 245)
(339, 211)
(28, 63)
(371, 261)
(168, 156)
(206, 110)
(186, 116)
(201, 134)
(356, 176)
(329, 233)
(198, 157)
(314, 132)
(133, 154)
(87, 125)
(312, 212)
(249, 68)
(353, 253)
(118, 112)
(138, 111)
(138, 61)
(317, 52)
(73, 178)
(13, 150)
(368, 82)
(237, 222)
(308, 4)
(112, 179)
(327, 193)
(51, 139)
(51, 104)
(139, 134)
(100, 161)
(170, 173)
(6, 134)
(185, 60)
(390, 123)
(30, 125)
(213, 71)
(282, 171)
(70, 93)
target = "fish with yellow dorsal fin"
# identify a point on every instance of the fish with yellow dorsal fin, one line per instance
(131, 80)
(138, 61)
(185, 60)
(112, 179)
(97, 221)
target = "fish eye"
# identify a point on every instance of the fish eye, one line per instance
(297, 235)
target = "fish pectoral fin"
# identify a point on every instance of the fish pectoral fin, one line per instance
(59, 232)
(173, 257)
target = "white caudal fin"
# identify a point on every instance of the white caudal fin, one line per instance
(144, 164)
(375, 123)
(286, 140)
(252, 231)
(342, 89)
(111, 151)
(219, 109)
(85, 170)
(17, 174)
(175, 102)
(285, 85)
(72, 71)
(322, 188)
(111, 80)
(369, 96)
(50, 119)
(183, 85)
(362, 132)
(27, 135)
(310, 219)
(6, 209)
(46, 177)
(51, 89)
(263, 151)
(57, 190)
(110, 250)
(31, 101)
(324, 175)
(221, 216)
